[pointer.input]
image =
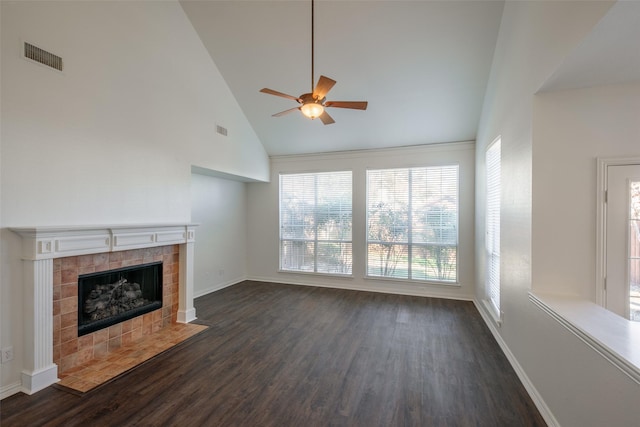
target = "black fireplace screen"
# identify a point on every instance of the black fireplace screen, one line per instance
(113, 296)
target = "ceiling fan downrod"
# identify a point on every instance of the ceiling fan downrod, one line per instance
(313, 104)
(312, 43)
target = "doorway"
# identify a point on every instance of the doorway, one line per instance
(621, 238)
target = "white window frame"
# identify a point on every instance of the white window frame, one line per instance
(410, 244)
(316, 240)
(493, 269)
(601, 220)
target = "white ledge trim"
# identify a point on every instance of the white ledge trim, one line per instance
(613, 337)
(55, 242)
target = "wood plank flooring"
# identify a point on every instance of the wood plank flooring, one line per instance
(280, 355)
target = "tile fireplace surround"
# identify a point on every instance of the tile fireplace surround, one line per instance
(42, 245)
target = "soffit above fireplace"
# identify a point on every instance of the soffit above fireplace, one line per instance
(56, 242)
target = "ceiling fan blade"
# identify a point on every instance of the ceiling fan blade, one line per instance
(276, 93)
(323, 87)
(355, 105)
(285, 112)
(326, 118)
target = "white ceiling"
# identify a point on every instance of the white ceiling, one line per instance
(610, 54)
(422, 65)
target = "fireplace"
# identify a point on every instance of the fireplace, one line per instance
(110, 297)
(53, 259)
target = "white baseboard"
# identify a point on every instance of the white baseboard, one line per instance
(34, 381)
(218, 286)
(526, 382)
(186, 316)
(10, 390)
(379, 289)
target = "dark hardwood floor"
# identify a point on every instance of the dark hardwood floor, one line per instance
(279, 355)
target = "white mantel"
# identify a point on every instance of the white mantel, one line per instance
(40, 245)
(56, 242)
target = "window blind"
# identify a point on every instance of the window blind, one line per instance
(412, 223)
(316, 222)
(493, 162)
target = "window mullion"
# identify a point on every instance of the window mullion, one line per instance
(410, 227)
(315, 224)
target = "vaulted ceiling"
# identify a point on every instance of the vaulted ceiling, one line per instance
(423, 67)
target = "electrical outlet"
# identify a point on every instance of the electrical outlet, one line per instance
(7, 354)
(221, 273)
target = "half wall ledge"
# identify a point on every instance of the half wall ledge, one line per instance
(613, 337)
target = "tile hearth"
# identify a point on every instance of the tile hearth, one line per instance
(98, 371)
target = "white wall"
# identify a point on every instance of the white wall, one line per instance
(111, 139)
(263, 227)
(574, 385)
(572, 129)
(115, 134)
(219, 207)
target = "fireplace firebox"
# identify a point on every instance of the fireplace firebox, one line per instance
(113, 296)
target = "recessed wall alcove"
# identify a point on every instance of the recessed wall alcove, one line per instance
(49, 253)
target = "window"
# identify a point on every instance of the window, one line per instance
(412, 223)
(634, 251)
(315, 222)
(493, 225)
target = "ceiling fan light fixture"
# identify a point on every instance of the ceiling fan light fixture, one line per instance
(312, 110)
(312, 104)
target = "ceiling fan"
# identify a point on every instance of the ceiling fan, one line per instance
(313, 104)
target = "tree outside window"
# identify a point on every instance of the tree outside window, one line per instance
(315, 222)
(412, 223)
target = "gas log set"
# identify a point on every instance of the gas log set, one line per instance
(113, 296)
(112, 299)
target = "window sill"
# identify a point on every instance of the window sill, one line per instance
(414, 282)
(314, 273)
(613, 337)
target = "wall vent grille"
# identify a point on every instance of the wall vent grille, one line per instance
(221, 130)
(42, 56)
